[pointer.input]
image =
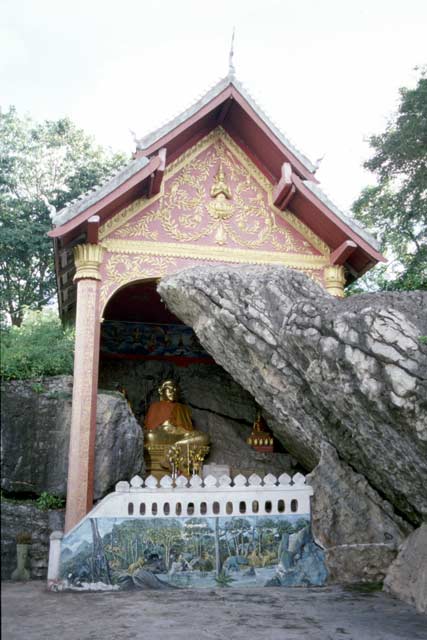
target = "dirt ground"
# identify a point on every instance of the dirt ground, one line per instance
(30, 612)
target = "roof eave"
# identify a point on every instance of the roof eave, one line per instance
(101, 206)
(361, 237)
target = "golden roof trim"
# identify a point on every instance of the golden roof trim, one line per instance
(215, 253)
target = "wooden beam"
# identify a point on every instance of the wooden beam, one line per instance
(69, 296)
(93, 229)
(58, 280)
(285, 189)
(344, 251)
(225, 108)
(288, 198)
(63, 258)
(156, 178)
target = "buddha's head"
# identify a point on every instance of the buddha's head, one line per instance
(168, 390)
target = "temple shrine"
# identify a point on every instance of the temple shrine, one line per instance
(219, 184)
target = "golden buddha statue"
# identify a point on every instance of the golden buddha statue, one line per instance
(171, 442)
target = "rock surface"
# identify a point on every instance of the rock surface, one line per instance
(350, 372)
(407, 577)
(26, 518)
(36, 418)
(358, 530)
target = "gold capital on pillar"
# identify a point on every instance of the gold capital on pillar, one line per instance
(335, 280)
(88, 258)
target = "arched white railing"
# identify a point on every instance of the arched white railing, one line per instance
(209, 497)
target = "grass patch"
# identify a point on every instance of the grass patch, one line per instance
(365, 587)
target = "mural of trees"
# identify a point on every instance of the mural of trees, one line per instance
(179, 550)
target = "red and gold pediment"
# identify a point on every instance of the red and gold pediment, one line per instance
(214, 201)
(214, 206)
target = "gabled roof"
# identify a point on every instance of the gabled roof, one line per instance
(146, 144)
(348, 220)
(229, 105)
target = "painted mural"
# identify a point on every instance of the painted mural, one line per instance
(184, 552)
(150, 340)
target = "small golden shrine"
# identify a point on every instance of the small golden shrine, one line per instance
(261, 439)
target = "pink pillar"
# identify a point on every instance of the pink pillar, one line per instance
(81, 458)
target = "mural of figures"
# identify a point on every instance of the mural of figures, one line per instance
(182, 552)
(150, 340)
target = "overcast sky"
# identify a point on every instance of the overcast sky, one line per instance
(326, 71)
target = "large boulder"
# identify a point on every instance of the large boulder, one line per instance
(359, 531)
(407, 577)
(36, 418)
(351, 372)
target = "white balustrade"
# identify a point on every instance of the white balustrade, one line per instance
(210, 496)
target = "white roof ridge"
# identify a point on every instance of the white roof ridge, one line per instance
(146, 141)
(271, 125)
(344, 216)
(170, 123)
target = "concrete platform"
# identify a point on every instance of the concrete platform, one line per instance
(328, 613)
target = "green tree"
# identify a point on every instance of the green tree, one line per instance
(41, 164)
(165, 534)
(395, 209)
(39, 347)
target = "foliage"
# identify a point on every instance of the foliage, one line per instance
(41, 164)
(365, 587)
(396, 207)
(39, 347)
(48, 501)
(164, 536)
(223, 579)
(23, 537)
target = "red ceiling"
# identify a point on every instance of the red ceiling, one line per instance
(139, 302)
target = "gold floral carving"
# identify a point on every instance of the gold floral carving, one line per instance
(254, 215)
(214, 253)
(121, 269)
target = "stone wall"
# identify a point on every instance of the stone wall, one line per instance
(27, 518)
(36, 418)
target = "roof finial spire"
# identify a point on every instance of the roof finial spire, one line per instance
(231, 69)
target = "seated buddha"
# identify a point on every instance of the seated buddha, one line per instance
(168, 423)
